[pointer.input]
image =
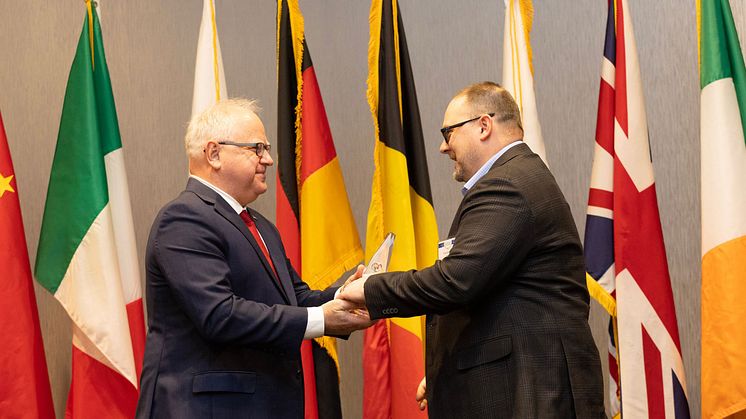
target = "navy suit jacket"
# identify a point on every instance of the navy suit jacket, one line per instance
(223, 333)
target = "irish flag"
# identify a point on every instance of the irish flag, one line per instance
(723, 117)
(87, 256)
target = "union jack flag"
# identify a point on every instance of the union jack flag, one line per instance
(624, 250)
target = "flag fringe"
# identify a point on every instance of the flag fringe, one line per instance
(215, 61)
(374, 48)
(601, 295)
(343, 264)
(90, 30)
(297, 31)
(527, 15)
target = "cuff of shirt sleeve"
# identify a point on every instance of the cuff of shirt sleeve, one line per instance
(315, 325)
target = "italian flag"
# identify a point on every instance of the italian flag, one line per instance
(723, 117)
(87, 256)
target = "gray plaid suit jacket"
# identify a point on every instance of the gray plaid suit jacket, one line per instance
(507, 310)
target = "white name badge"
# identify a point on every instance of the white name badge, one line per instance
(444, 248)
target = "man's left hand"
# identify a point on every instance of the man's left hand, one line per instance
(355, 276)
(354, 291)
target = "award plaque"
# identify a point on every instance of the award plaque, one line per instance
(380, 261)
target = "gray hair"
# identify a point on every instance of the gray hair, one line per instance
(489, 97)
(217, 123)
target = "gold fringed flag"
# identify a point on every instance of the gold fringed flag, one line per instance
(518, 70)
(209, 78)
(627, 268)
(401, 202)
(313, 213)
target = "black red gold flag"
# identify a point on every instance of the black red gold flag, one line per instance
(312, 204)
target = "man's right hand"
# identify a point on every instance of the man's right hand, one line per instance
(342, 317)
(421, 392)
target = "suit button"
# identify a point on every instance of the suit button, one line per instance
(298, 374)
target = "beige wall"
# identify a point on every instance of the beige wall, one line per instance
(151, 47)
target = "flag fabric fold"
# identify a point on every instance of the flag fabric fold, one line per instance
(87, 257)
(518, 70)
(624, 249)
(723, 176)
(312, 203)
(27, 393)
(401, 202)
(209, 78)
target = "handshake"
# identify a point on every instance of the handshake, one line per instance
(347, 312)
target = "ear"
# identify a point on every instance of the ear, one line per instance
(212, 154)
(485, 127)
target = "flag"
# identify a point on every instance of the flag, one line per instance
(723, 118)
(86, 256)
(518, 70)
(401, 202)
(209, 79)
(312, 204)
(25, 391)
(624, 249)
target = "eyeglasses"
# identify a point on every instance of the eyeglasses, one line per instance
(447, 131)
(257, 147)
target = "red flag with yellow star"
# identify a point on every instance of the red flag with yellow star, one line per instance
(27, 394)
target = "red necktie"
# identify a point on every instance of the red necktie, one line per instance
(254, 232)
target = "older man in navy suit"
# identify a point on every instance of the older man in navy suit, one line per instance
(226, 310)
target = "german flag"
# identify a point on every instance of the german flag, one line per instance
(401, 202)
(313, 212)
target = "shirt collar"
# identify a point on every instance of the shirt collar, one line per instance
(486, 167)
(229, 199)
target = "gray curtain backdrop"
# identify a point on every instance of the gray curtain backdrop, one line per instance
(151, 48)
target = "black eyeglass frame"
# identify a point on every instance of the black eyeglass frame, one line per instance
(257, 147)
(446, 131)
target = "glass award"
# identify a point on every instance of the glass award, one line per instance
(380, 261)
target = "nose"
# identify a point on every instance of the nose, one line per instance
(444, 147)
(266, 159)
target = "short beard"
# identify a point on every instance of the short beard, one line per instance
(458, 175)
(459, 171)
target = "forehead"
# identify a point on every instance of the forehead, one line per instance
(457, 111)
(249, 129)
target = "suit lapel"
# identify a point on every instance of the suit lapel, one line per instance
(514, 151)
(225, 210)
(229, 214)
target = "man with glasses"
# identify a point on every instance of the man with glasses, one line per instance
(507, 306)
(226, 310)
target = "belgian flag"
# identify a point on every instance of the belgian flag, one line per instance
(313, 212)
(401, 202)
